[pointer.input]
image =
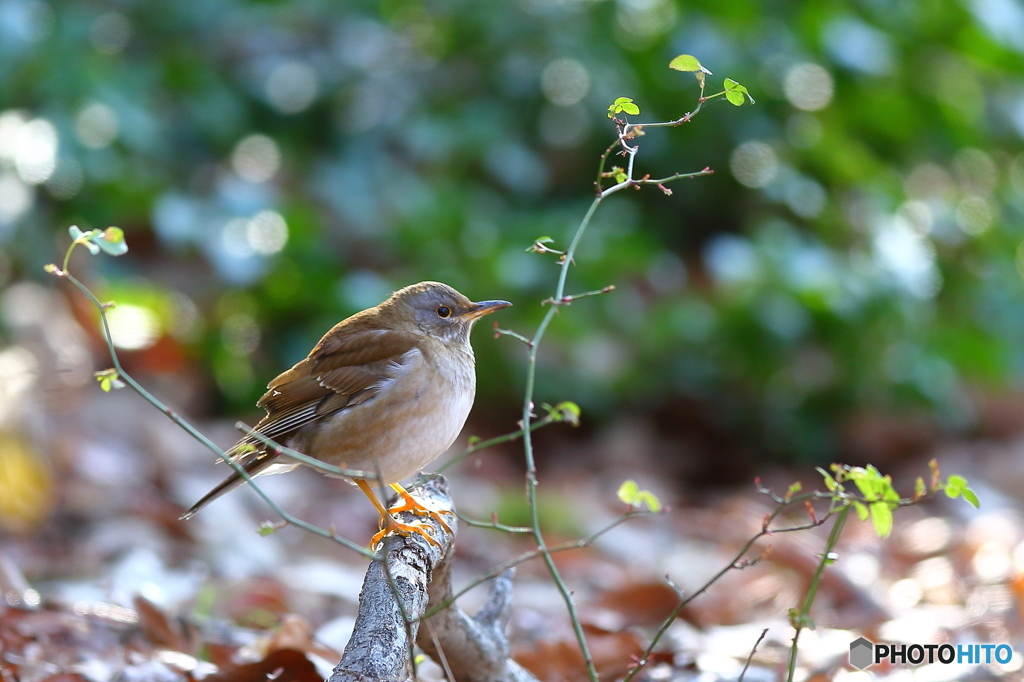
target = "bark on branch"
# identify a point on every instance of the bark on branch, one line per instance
(416, 575)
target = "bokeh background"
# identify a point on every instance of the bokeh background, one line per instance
(846, 286)
(852, 265)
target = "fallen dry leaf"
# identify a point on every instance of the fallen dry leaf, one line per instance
(283, 665)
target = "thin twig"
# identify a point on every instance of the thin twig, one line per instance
(812, 589)
(565, 263)
(737, 562)
(312, 462)
(492, 524)
(440, 652)
(484, 444)
(531, 467)
(191, 430)
(498, 331)
(533, 554)
(601, 164)
(751, 656)
(569, 298)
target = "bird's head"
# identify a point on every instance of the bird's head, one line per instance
(439, 310)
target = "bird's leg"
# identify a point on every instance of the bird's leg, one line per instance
(389, 523)
(416, 507)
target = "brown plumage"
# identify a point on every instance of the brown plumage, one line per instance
(386, 390)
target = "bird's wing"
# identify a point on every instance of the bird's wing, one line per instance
(343, 369)
(346, 368)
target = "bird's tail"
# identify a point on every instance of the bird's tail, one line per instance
(253, 467)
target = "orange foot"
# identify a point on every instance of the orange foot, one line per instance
(411, 504)
(391, 525)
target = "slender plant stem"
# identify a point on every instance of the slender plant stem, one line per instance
(533, 554)
(737, 562)
(531, 467)
(531, 373)
(812, 589)
(751, 656)
(192, 431)
(311, 462)
(492, 525)
(484, 444)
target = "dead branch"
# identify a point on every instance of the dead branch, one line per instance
(414, 576)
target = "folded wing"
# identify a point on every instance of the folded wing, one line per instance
(346, 368)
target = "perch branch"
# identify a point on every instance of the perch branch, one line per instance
(395, 596)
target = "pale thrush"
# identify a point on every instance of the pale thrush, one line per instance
(385, 391)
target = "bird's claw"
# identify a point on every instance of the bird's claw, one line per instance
(392, 525)
(411, 504)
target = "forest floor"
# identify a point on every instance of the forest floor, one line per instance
(101, 581)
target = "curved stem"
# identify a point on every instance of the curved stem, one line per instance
(812, 589)
(533, 554)
(484, 444)
(192, 431)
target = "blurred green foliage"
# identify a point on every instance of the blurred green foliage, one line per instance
(279, 165)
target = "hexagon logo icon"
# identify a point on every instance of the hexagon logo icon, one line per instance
(861, 653)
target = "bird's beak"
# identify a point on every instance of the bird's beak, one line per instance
(478, 310)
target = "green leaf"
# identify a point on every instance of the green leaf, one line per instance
(972, 498)
(736, 93)
(865, 483)
(266, 528)
(890, 495)
(798, 621)
(108, 378)
(619, 174)
(111, 240)
(881, 519)
(473, 440)
(955, 486)
(862, 511)
(651, 501)
(830, 482)
(567, 411)
(687, 62)
(114, 235)
(629, 492)
(623, 104)
(793, 490)
(85, 238)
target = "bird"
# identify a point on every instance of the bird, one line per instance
(385, 391)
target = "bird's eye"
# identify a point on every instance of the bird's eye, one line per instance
(444, 311)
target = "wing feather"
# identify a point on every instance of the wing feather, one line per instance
(347, 367)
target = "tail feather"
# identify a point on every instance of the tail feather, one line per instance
(253, 468)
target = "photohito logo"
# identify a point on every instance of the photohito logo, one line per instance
(864, 652)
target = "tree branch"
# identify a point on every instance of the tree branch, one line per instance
(411, 575)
